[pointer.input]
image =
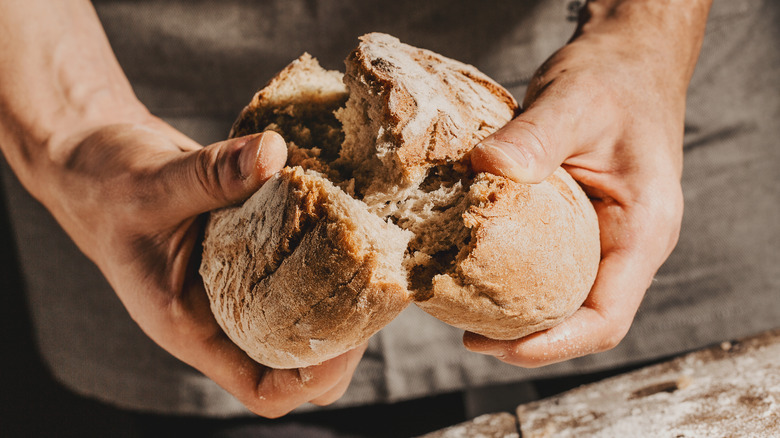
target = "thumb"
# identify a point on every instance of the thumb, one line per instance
(527, 149)
(224, 173)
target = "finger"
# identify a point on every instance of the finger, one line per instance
(221, 174)
(525, 150)
(268, 392)
(192, 334)
(187, 328)
(335, 393)
(291, 388)
(557, 126)
(599, 325)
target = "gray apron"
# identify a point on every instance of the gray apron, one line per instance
(196, 63)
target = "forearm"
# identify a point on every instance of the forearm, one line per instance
(664, 34)
(58, 79)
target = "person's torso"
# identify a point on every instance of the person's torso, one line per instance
(197, 63)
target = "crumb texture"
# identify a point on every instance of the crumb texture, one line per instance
(418, 108)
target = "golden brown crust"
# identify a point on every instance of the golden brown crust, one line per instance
(533, 256)
(436, 109)
(290, 281)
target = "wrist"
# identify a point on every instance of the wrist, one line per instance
(661, 34)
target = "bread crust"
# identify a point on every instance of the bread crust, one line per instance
(532, 258)
(435, 109)
(289, 280)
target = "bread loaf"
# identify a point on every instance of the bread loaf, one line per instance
(378, 207)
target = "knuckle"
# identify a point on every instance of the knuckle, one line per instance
(534, 145)
(614, 336)
(611, 341)
(540, 149)
(207, 175)
(673, 217)
(663, 211)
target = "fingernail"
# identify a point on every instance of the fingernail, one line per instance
(247, 158)
(507, 159)
(272, 156)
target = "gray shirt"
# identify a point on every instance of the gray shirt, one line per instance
(196, 64)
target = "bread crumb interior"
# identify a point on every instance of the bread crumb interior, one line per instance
(348, 144)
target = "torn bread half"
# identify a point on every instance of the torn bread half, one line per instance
(302, 272)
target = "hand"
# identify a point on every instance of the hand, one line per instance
(130, 190)
(131, 196)
(610, 109)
